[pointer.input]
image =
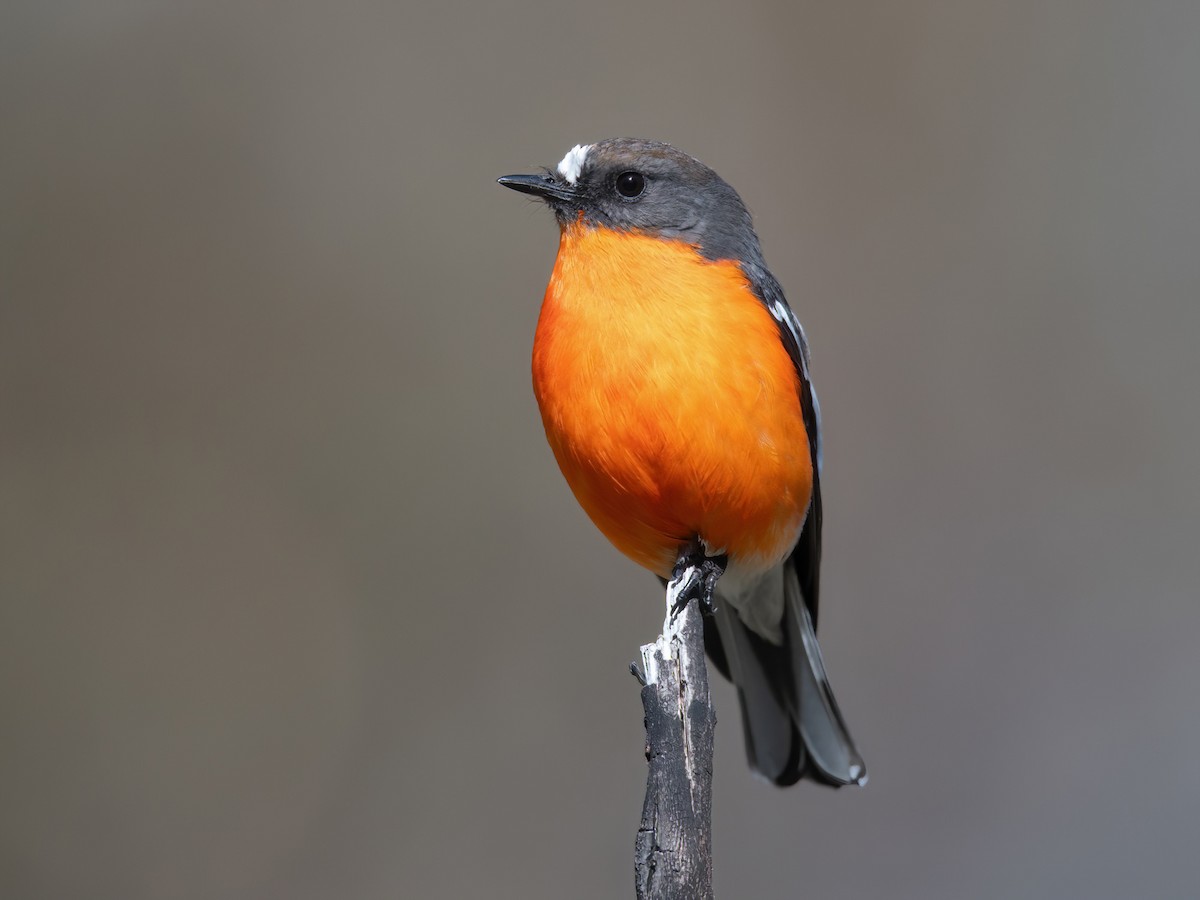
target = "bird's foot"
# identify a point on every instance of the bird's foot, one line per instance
(695, 578)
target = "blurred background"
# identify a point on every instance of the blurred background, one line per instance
(294, 602)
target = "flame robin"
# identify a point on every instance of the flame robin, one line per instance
(673, 382)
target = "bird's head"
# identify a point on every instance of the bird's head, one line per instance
(648, 187)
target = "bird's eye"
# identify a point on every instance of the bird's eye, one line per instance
(631, 184)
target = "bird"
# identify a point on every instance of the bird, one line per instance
(673, 383)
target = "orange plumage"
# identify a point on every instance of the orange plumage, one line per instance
(669, 400)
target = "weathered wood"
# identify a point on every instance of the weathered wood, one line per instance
(673, 852)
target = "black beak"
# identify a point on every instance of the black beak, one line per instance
(545, 186)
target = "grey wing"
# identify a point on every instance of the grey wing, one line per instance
(792, 724)
(806, 558)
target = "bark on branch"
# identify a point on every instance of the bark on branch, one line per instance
(673, 852)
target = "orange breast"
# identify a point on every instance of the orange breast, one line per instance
(669, 401)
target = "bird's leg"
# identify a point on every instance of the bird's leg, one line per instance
(695, 577)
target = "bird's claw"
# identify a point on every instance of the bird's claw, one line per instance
(695, 577)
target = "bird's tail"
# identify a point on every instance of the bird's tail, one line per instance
(791, 720)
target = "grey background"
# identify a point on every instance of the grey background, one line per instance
(293, 600)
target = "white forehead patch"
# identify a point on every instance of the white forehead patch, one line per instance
(572, 163)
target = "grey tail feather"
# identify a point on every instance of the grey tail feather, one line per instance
(792, 724)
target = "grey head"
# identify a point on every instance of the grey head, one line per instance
(651, 187)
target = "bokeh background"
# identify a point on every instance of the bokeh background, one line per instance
(293, 600)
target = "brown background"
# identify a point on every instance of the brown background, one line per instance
(294, 601)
